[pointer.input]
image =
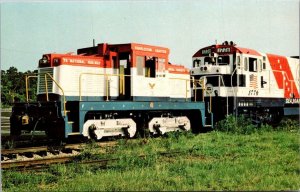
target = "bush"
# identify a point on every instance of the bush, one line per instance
(239, 125)
(288, 125)
(243, 125)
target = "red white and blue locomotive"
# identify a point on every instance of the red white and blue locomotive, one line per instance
(235, 80)
(109, 90)
(125, 89)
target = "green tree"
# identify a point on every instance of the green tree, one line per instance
(13, 88)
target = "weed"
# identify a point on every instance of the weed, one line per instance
(263, 160)
(90, 152)
(239, 125)
(289, 125)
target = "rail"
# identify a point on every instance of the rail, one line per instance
(122, 83)
(121, 78)
(186, 86)
(202, 85)
(35, 164)
(235, 90)
(222, 81)
(27, 77)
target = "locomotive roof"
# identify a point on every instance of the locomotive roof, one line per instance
(126, 47)
(225, 49)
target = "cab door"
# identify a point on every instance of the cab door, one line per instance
(124, 76)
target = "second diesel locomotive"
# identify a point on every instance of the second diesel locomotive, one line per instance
(236, 80)
(109, 90)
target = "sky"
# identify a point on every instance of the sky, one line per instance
(29, 30)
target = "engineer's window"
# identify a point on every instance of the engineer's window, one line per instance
(223, 60)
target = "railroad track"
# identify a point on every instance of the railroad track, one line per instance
(39, 164)
(37, 156)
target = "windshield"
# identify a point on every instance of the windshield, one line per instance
(220, 60)
(223, 60)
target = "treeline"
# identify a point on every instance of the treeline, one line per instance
(13, 86)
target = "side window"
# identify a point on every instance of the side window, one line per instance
(246, 64)
(264, 63)
(140, 65)
(123, 63)
(259, 67)
(196, 63)
(252, 64)
(207, 60)
(238, 61)
(161, 65)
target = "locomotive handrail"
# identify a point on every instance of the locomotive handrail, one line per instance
(186, 85)
(64, 97)
(220, 77)
(46, 87)
(195, 87)
(27, 77)
(122, 83)
(36, 76)
(105, 75)
(235, 90)
(231, 80)
(201, 83)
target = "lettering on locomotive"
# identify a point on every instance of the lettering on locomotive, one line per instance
(293, 100)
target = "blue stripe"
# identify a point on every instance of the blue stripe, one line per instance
(86, 106)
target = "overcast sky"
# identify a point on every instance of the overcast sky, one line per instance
(29, 30)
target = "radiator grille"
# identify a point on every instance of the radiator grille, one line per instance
(41, 80)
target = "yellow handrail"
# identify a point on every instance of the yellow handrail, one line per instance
(46, 86)
(107, 82)
(26, 84)
(186, 85)
(47, 94)
(107, 87)
(64, 97)
(202, 84)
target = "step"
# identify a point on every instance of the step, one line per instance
(74, 133)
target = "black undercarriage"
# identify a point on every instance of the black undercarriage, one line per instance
(38, 116)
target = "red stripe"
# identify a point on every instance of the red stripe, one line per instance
(286, 84)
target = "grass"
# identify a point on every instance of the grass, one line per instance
(261, 160)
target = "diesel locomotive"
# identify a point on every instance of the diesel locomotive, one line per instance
(110, 90)
(236, 80)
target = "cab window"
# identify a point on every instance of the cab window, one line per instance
(223, 60)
